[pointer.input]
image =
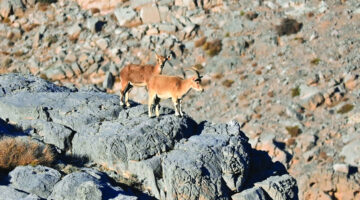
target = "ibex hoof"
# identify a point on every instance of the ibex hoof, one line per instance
(128, 105)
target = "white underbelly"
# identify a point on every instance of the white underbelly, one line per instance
(138, 84)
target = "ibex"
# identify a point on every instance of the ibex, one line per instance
(164, 87)
(138, 75)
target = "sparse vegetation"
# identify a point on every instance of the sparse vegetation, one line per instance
(251, 15)
(315, 61)
(288, 27)
(199, 67)
(212, 48)
(295, 92)
(19, 53)
(299, 39)
(51, 39)
(200, 42)
(47, 1)
(218, 76)
(227, 83)
(17, 152)
(293, 130)
(6, 63)
(345, 108)
(258, 72)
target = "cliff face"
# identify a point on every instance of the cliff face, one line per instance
(166, 157)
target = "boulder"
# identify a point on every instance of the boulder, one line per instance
(255, 193)
(38, 180)
(280, 187)
(199, 167)
(74, 32)
(10, 193)
(87, 184)
(351, 153)
(131, 137)
(8, 7)
(125, 15)
(71, 109)
(150, 14)
(15, 83)
(49, 132)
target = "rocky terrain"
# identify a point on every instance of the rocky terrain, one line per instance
(284, 71)
(164, 158)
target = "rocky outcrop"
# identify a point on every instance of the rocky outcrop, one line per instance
(167, 157)
(37, 180)
(87, 184)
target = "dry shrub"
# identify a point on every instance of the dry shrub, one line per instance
(218, 76)
(258, 72)
(315, 61)
(345, 108)
(16, 152)
(293, 130)
(94, 10)
(18, 53)
(288, 27)
(295, 92)
(47, 1)
(212, 48)
(200, 42)
(198, 67)
(29, 27)
(227, 83)
(270, 93)
(251, 15)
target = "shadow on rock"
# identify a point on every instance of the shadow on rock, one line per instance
(10, 130)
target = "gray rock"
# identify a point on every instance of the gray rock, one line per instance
(9, 193)
(94, 24)
(73, 110)
(109, 80)
(255, 193)
(86, 184)
(102, 43)
(132, 137)
(49, 132)
(15, 83)
(8, 6)
(124, 15)
(31, 197)
(74, 31)
(197, 168)
(37, 180)
(140, 3)
(168, 28)
(351, 153)
(234, 46)
(340, 167)
(280, 187)
(150, 14)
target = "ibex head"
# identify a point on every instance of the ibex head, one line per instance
(160, 60)
(196, 80)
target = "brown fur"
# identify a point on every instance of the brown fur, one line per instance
(164, 87)
(138, 75)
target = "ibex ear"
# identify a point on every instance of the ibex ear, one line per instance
(157, 56)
